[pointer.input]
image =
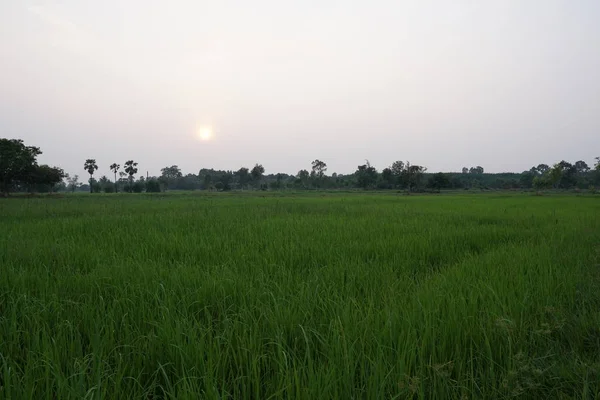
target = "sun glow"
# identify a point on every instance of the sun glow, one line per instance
(205, 133)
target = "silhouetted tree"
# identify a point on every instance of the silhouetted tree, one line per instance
(439, 181)
(170, 175)
(90, 166)
(303, 177)
(257, 172)
(366, 175)
(131, 170)
(16, 163)
(243, 176)
(318, 172)
(115, 168)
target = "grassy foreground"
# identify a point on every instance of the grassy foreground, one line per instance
(324, 296)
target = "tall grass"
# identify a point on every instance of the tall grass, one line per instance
(342, 296)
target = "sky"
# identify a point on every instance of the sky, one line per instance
(505, 84)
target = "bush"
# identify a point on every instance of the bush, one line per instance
(152, 186)
(109, 188)
(138, 187)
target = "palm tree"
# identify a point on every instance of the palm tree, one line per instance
(90, 166)
(115, 168)
(130, 168)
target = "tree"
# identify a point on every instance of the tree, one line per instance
(207, 182)
(73, 182)
(243, 176)
(543, 168)
(366, 175)
(527, 177)
(554, 175)
(439, 181)
(170, 175)
(44, 178)
(387, 175)
(90, 166)
(397, 168)
(398, 172)
(318, 171)
(105, 184)
(131, 170)
(152, 186)
(303, 176)
(541, 182)
(16, 163)
(115, 168)
(414, 175)
(581, 167)
(257, 173)
(465, 170)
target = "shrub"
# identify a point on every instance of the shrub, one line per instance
(152, 186)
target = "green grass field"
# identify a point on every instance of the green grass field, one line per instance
(318, 296)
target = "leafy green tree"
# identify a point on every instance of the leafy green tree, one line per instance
(207, 182)
(387, 175)
(554, 175)
(397, 168)
(526, 178)
(439, 181)
(243, 177)
(543, 168)
(257, 172)
(90, 166)
(115, 168)
(73, 182)
(398, 172)
(414, 176)
(170, 175)
(542, 182)
(366, 176)
(318, 172)
(44, 178)
(303, 177)
(131, 170)
(581, 167)
(152, 186)
(16, 163)
(106, 185)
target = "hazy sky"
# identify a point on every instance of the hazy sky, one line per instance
(504, 84)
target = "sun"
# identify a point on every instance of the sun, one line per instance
(205, 133)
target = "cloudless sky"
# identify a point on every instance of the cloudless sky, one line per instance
(504, 84)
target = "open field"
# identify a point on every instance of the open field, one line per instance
(314, 296)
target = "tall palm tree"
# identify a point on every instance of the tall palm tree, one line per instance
(90, 166)
(130, 168)
(115, 168)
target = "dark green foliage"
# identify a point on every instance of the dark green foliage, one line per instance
(366, 176)
(153, 186)
(138, 187)
(17, 164)
(439, 181)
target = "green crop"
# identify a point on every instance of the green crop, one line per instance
(340, 296)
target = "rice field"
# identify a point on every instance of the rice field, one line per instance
(295, 296)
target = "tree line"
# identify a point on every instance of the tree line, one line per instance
(20, 172)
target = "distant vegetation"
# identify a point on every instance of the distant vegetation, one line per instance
(19, 172)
